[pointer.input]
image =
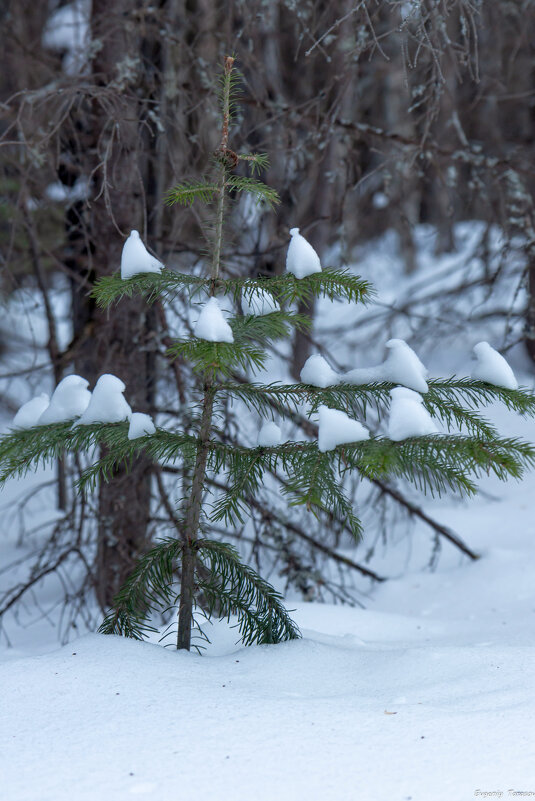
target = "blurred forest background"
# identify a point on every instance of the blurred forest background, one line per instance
(381, 118)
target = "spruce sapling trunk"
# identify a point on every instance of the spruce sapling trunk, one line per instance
(193, 513)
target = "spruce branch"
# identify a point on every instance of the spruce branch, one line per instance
(268, 327)
(330, 283)
(274, 405)
(266, 398)
(21, 451)
(235, 588)
(313, 483)
(257, 161)
(213, 358)
(150, 587)
(260, 191)
(166, 285)
(282, 519)
(474, 394)
(186, 193)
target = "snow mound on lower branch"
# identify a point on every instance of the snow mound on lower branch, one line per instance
(336, 428)
(141, 425)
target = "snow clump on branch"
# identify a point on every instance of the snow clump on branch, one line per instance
(136, 259)
(69, 400)
(107, 404)
(211, 324)
(29, 413)
(492, 367)
(318, 373)
(408, 417)
(336, 428)
(301, 258)
(401, 366)
(141, 425)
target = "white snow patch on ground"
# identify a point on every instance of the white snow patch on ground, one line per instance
(426, 694)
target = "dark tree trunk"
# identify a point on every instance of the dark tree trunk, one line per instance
(529, 336)
(119, 340)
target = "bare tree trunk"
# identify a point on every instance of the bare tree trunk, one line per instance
(529, 335)
(119, 337)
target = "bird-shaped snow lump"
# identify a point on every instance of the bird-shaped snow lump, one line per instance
(408, 417)
(336, 428)
(301, 258)
(318, 372)
(107, 404)
(492, 367)
(211, 324)
(136, 259)
(29, 413)
(69, 400)
(401, 366)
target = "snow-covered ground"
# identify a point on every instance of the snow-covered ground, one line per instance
(427, 694)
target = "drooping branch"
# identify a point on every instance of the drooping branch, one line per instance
(309, 428)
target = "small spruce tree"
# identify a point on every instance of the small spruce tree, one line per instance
(435, 463)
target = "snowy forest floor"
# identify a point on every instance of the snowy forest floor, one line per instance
(426, 694)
